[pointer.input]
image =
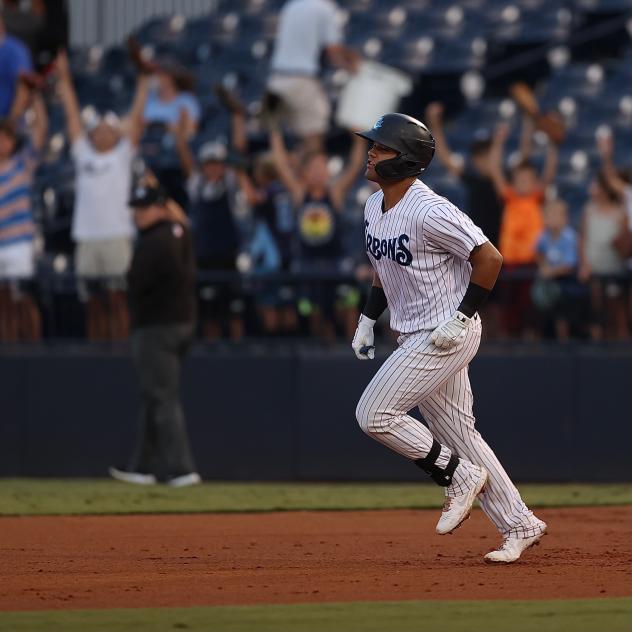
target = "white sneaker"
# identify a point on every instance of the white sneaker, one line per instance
(512, 548)
(127, 476)
(457, 509)
(185, 480)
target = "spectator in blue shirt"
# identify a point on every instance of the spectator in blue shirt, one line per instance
(15, 60)
(172, 94)
(557, 255)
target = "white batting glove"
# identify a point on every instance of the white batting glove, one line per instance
(449, 332)
(363, 339)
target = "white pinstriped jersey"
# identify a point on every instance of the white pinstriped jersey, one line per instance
(420, 250)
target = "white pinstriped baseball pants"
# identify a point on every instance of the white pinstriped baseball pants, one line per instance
(418, 374)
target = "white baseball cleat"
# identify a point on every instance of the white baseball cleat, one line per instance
(184, 480)
(129, 476)
(457, 509)
(512, 548)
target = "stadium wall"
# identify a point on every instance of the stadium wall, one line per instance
(97, 22)
(556, 414)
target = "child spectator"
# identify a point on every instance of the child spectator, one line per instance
(318, 202)
(616, 181)
(272, 225)
(555, 289)
(102, 225)
(601, 265)
(212, 190)
(521, 225)
(19, 315)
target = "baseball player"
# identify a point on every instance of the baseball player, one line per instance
(433, 269)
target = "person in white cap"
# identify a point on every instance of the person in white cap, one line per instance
(103, 150)
(214, 204)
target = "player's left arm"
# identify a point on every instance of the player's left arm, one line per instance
(486, 262)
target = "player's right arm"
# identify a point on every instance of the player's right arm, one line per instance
(363, 340)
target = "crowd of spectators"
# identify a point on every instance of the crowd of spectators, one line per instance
(278, 253)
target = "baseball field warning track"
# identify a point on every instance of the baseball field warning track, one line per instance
(186, 560)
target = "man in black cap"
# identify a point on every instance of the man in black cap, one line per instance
(161, 284)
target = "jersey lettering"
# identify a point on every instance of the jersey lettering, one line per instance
(394, 248)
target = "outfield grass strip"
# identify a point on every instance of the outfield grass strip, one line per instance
(98, 496)
(613, 615)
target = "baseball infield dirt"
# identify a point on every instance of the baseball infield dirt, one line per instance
(185, 560)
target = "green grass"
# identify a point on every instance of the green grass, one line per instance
(73, 496)
(613, 615)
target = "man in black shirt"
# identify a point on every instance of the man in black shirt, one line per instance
(482, 203)
(161, 284)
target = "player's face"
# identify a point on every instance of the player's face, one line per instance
(377, 153)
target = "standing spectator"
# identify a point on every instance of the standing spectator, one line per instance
(162, 303)
(272, 225)
(19, 315)
(318, 203)
(623, 188)
(483, 203)
(555, 289)
(212, 190)
(521, 227)
(102, 223)
(307, 29)
(15, 60)
(621, 182)
(172, 94)
(601, 265)
(274, 221)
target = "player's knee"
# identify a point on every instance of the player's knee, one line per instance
(361, 415)
(369, 418)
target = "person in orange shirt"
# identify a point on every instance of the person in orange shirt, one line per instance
(521, 224)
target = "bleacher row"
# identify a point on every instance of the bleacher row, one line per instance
(426, 38)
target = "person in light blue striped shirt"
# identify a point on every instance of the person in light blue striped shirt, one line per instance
(19, 317)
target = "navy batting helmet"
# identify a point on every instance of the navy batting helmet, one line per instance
(409, 137)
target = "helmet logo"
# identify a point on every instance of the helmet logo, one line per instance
(378, 123)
